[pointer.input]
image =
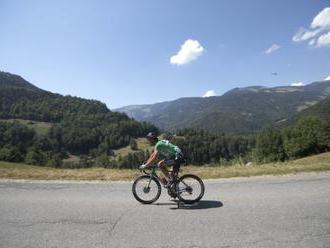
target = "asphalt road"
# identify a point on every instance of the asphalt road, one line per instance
(287, 211)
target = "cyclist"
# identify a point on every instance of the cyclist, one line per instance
(169, 155)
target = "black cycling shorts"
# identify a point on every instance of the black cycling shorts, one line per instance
(176, 163)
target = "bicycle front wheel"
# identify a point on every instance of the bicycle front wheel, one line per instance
(190, 189)
(146, 189)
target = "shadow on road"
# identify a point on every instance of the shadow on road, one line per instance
(204, 204)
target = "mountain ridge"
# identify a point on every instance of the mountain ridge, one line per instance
(240, 110)
(9, 80)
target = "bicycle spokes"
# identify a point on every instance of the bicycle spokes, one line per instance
(190, 189)
(146, 189)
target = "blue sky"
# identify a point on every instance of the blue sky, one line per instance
(120, 52)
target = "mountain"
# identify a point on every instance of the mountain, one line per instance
(240, 110)
(8, 80)
(79, 125)
(21, 99)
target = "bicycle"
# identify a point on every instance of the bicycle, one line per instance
(188, 188)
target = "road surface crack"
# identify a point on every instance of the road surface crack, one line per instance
(114, 225)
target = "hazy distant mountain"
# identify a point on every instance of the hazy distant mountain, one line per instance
(240, 110)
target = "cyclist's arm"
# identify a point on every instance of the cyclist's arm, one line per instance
(152, 159)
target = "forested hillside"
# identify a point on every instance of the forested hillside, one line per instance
(80, 126)
(307, 136)
(321, 109)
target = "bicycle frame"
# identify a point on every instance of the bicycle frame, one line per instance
(152, 174)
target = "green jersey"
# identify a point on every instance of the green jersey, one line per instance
(167, 149)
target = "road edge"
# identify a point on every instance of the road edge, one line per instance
(230, 179)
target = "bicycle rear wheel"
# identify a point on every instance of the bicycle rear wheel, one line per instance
(190, 189)
(146, 189)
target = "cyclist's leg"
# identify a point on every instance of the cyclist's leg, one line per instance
(176, 167)
(173, 171)
(177, 163)
(163, 169)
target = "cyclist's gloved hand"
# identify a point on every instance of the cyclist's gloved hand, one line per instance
(142, 167)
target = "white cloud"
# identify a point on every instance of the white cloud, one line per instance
(323, 40)
(318, 31)
(209, 93)
(322, 20)
(273, 48)
(327, 78)
(190, 50)
(298, 84)
(305, 34)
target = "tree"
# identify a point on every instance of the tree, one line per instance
(55, 161)
(133, 144)
(11, 154)
(311, 135)
(269, 146)
(35, 157)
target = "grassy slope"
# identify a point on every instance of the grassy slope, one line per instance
(319, 162)
(40, 127)
(142, 143)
